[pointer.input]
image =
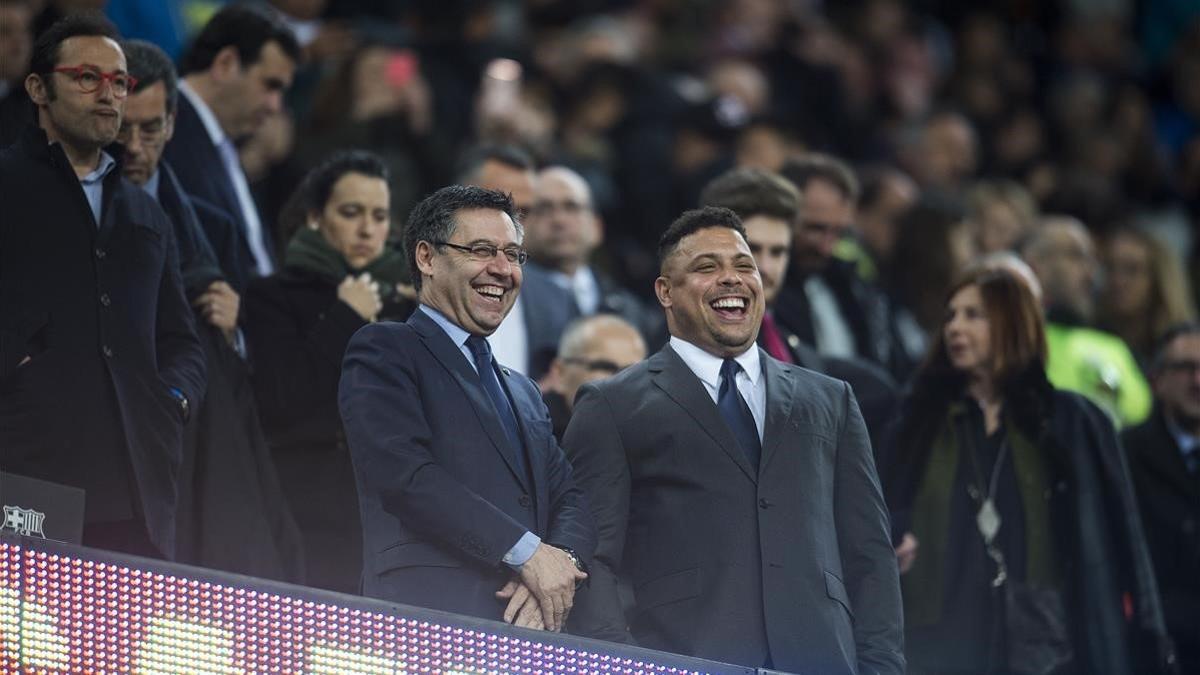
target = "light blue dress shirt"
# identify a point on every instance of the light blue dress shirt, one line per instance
(525, 547)
(93, 184)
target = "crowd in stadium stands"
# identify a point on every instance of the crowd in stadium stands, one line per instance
(984, 217)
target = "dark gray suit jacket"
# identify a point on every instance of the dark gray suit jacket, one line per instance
(441, 498)
(790, 565)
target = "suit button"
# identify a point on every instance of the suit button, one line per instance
(108, 352)
(525, 501)
(105, 300)
(100, 253)
(765, 503)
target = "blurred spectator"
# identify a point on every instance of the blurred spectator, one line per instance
(592, 348)
(823, 301)
(378, 98)
(1145, 291)
(935, 233)
(1164, 457)
(1091, 362)
(1000, 485)
(887, 192)
(527, 339)
(99, 359)
(234, 75)
(765, 143)
(944, 153)
(16, 46)
(227, 482)
(338, 275)
(562, 231)
(1002, 213)
(769, 207)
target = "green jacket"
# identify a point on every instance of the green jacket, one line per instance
(1099, 366)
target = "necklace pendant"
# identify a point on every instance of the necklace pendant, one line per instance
(988, 520)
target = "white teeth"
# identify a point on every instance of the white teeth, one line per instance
(494, 291)
(730, 303)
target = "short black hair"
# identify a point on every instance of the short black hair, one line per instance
(474, 158)
(315, 189)
(243, 27)
(815, 165)
(149, 64)
(693, 221)
(46, 48)
(753, 192)
(1168, 338)
(433, 218)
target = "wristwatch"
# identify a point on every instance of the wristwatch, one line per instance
(575, 560)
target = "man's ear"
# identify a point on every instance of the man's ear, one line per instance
(169, 129)
(662, 290)
(226, 64)
(424, 255)
(35, 86)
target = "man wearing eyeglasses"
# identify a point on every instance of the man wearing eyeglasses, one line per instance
(1164, 458)
(99, 359)
(592, 348)
(468, 504)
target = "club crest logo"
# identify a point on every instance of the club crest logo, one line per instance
(25, 522)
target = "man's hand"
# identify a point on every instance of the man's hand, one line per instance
(906, 552)
(522, 609)
(551, 577)
(219, 306)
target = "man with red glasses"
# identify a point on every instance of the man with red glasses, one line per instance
(99, 360)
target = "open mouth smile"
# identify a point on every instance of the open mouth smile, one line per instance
(731, 307)
(491, 292)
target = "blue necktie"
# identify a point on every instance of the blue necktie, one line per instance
(737, 414)
(487, 375)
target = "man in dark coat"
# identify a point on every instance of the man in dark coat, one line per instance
(1164, 458)
(769, 207)
(468, 504)
(738, 491)
(234, 75)
(232, 514)
(99, 359)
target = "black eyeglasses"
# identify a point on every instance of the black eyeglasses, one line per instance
(598, 364)
(1182, 366)
(484, 252)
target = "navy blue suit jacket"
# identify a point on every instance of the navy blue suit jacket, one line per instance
(440, 497)
(198, 165)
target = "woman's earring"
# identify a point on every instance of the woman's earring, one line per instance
(312, 225)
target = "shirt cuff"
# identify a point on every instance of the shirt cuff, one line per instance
(523, 550)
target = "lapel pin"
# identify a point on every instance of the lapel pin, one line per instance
(505, 371)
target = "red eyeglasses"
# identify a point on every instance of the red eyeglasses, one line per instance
(89, 79)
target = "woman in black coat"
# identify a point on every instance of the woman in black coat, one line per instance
(338, 274)
(1021, 547)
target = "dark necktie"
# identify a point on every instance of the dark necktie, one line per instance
(772, 340)
(487, 375)
(737, 414)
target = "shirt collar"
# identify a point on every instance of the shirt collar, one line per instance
(151, 186)
(453, 331)
(707, 367)
(215, 133)
(106, 165)
(1187, 443)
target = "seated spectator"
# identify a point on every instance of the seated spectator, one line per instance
(1002, 214)
(1145, 291)
(562, 231)
(592, 348)
(16, 47)
(1091, 362)
(769, 206)
(1000, 486)
(338, 275)
(1164, 457)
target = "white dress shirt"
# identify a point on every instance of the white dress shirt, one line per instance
(233, 167)
(510, 341)
(750, 381)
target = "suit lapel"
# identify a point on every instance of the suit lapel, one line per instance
(1167, 459)
(525, 410)
(781, 393)
(678, 382)
(455, 363)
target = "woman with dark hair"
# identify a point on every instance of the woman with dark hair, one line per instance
(1022, 550)
(338, 274)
